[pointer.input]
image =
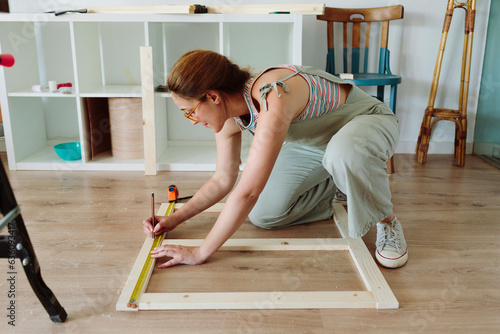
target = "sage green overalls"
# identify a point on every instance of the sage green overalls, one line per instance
(346, 148)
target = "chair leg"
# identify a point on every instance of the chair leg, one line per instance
(390, 165)
(380, 93)
(24, 251)
(392, 101)
(392, 105)
(32, 269)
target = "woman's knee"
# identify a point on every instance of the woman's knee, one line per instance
(265, 218)
(343, 153)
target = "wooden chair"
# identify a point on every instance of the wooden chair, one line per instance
(356, 58)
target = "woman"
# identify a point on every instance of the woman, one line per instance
(312, 133)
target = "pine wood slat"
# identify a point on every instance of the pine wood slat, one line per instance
(367, 268)
(257, 300)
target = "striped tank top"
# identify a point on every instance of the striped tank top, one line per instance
(324, 96)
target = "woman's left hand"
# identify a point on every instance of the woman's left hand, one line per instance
(179, 255)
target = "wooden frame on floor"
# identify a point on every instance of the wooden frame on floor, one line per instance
(378, 294)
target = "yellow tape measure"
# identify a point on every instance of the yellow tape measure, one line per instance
(148, 264)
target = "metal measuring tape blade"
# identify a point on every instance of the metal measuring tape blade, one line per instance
(147, 268)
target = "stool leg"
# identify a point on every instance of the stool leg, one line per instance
(463, 142)
(424, 139)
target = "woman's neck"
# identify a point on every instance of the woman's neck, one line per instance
(236, 105)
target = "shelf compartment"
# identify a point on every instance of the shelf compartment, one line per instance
(45, 158)
(33, 44)
(170, 40)
(179, 128)
(113, 131)
(193, 156)
(242, 39)
(184, 146)
(105, 60)
(38, 124)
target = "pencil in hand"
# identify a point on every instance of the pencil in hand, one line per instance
(153, 220)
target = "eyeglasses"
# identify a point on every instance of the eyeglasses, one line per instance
(188, 114)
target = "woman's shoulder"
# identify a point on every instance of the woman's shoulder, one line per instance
(279, 80)
(273, 74)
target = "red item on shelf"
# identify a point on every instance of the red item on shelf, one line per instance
(7, 60)
(67, 84)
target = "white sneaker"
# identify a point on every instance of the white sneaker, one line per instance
(391, 245)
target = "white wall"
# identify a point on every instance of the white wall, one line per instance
(414, 43)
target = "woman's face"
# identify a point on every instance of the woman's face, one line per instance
(207, 112)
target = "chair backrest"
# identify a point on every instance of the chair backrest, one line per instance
(354, 21)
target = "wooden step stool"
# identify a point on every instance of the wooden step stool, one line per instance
(459, 116)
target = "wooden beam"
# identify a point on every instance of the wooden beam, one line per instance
(148, 110)
(367, 268)
(319, 244)
(257, 300)
(121, 304)
(162, 211)
(214, 208)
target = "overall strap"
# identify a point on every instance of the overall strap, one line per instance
(266, 88)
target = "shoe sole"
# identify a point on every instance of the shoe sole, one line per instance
(392, 262)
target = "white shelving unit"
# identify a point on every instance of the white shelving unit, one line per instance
(100, 55)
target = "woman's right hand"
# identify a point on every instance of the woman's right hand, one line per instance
(163, 224)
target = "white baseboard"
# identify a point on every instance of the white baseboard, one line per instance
(404, 147)
(408, 147)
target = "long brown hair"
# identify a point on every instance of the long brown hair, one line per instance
(199, 71)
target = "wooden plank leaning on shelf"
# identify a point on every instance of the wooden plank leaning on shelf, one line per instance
(306, 9)
(148, 110)
(378, 294)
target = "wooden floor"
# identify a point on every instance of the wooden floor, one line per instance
(86, 230)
